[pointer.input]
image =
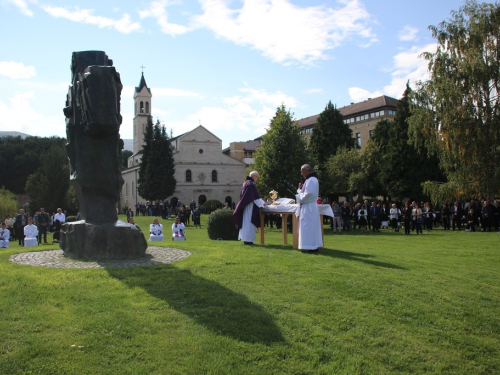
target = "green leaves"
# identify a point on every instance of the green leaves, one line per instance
(456, 112)
(281, 154)
(156, 175)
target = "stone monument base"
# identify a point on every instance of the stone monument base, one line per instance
(117, 240)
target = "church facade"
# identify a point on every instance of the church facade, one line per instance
(202, 171)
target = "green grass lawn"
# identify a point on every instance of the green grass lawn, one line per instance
(366, 304)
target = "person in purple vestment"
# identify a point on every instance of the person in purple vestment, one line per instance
(246, 215)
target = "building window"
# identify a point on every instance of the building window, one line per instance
(391, 112)
(214, 176)
(147, 107)
(372, 132)
(141, 107)
(188, 175)
(201, 199)
(358, 139)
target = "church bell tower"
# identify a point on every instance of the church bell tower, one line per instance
(142, 110)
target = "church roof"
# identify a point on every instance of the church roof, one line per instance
(142, 84)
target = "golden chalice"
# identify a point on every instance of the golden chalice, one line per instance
(273, 194)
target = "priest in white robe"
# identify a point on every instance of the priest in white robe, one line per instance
(4, 236)
(156, 231)
(310, 238)
(30, 234)
(246, 214)
(178, 230)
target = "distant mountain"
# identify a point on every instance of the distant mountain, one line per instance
(13, 134)
(128, 144)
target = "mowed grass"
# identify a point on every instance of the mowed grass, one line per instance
(366, 304)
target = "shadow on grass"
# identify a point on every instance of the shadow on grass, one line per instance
(363, 258)
(207, 302)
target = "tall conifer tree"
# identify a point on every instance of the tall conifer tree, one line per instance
(156, 175)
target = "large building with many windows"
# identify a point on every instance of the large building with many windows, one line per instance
(361, 117)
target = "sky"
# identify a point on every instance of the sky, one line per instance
(226, 65)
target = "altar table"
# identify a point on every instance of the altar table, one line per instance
(290, 209)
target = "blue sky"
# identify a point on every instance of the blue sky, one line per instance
(225, 64)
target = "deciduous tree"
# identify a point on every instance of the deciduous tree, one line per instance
(282, 153)
(456, 113)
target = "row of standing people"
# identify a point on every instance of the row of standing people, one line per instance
(417, 216)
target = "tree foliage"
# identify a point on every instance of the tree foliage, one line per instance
(48, 186)
(328, 135)
(282, 153)
(19, 158)
(125, 155)
(8, 203)
(456, 112)
(156, 174)
(401, 166)
(344, 172)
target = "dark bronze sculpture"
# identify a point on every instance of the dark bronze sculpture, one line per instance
(94, 150)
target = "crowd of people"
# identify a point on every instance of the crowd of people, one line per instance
(170, 210)
(166, 211)
(470, 216)
(23, 225)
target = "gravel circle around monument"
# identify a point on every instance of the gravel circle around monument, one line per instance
(56, 259)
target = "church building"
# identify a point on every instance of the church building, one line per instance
(202, 171)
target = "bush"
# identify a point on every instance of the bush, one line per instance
(8, 203)
(207, 204)
(70, 219)
(220, 226)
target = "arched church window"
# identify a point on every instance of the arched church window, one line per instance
(214, 176)
(147, 107)
(188, 175)
(141, 106)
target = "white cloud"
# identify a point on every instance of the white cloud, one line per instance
(16, 70)
(407, 66)
(358, 94)
(286, 33)
(261, 96)
(123, 25)
(408, 34)
(23, 7)
(157, 10)
(240, 117)
(18, 115)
